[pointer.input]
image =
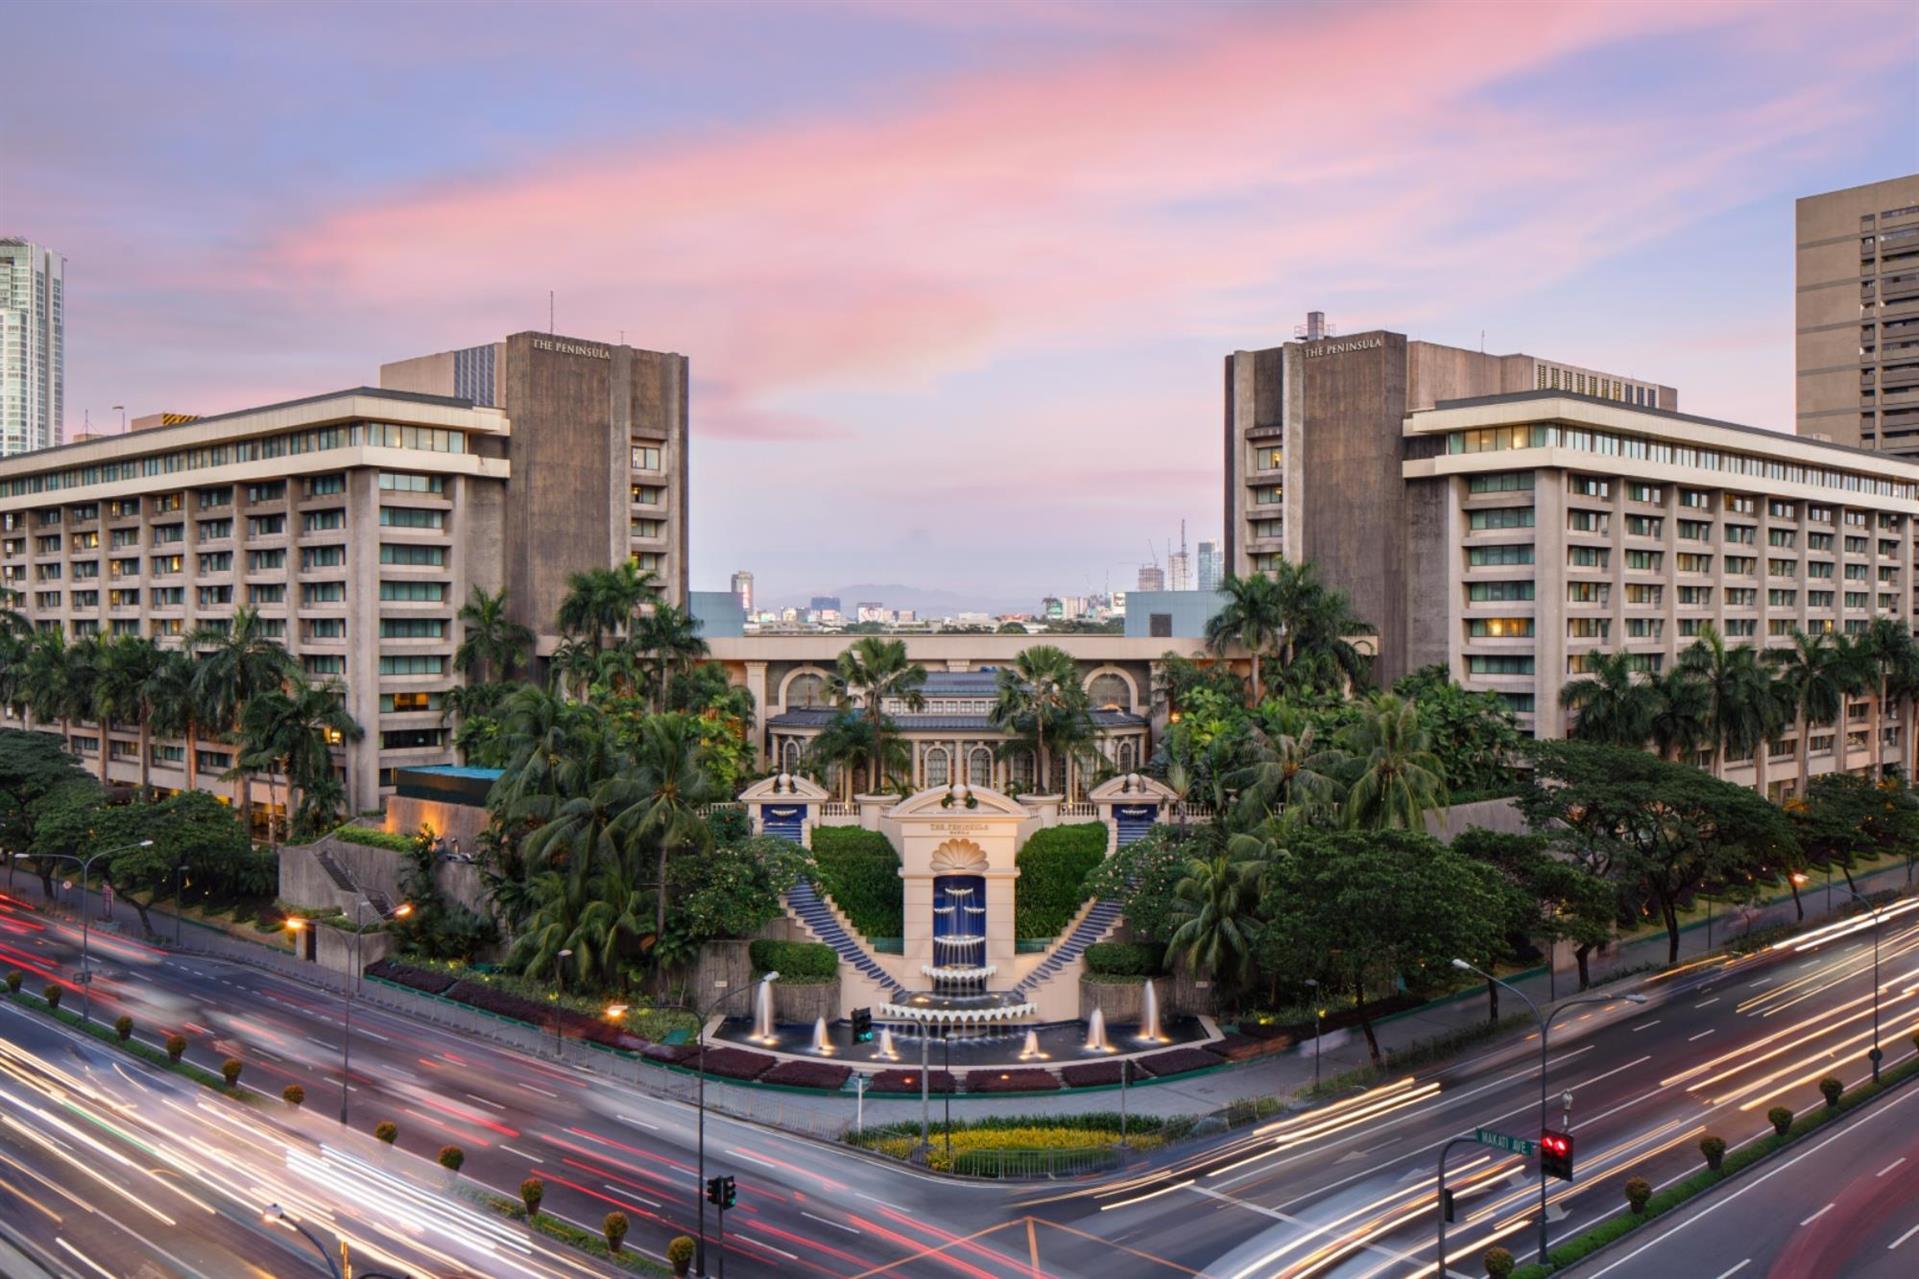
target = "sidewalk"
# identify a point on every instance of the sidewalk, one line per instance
(1280, 1074)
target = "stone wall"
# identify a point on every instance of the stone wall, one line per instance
(723, 968)
(803, 1003)
(1501, 815)
(1121, 1001)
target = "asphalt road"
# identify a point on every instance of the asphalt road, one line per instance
(1346, 1190)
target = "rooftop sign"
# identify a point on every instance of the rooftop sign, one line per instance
(571, 348)
(1340, 348)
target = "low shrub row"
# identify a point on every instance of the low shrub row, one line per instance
(1125, 959)
(1053, 867)
(860, 871)
(564, 1231)
(373, 837)
(430, 980)
(795, 960)
(825, 1075)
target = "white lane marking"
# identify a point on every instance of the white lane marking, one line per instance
(881, 1202)
(83, 1256)
(521, 1153)
(767, 1246)
(1817, 1215)
(1762, 981)
(543, 1092)
(1889, 1167)
(374, 1034)
(1647, 1025)
(1902, 1238)
(1702, 1003)
(753, 1159)
(1736, 1269)
(621, 1192)
(824, 1222)
(1701, 1035)
(484, 1102)
(637, 1123)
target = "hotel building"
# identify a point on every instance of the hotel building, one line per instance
(1857, 326)
(33, 357)
(1549, 527)
(1313, 451)
(356, 524)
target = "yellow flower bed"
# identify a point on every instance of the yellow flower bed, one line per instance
(1033, 1137)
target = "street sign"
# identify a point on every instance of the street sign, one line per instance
(1500, 1141)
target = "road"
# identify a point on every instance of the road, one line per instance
(1346, 1190)
(1846, 1205)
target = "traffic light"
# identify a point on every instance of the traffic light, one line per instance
(1556, 1154)
(862, 1025)
(720, 1192)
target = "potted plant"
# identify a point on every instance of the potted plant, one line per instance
(293, 1095)
(51, 993)
(532, 1191)
(386, 1130)
(123, 1027)
(230, 1071)
(1714, 1149)
(1831, 1089)
(1638, 1194)
(680, 1254)
(176, 1045)
(1499, 1263)
(1780, 1118)
(614, 1227)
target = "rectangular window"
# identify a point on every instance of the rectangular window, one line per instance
(272, 491)
(1496, 517)
(651, 529)
(1741, 627)
(124, 568)
(323, 593)
(1588, 592)
(86, 599)
(412, 517)
(86, 570)
(1741, 565)
(1819, 599)
(1650, 596)
(326, 485)
(413, 592)
(1783, 537)
(1645, 526)
(324, 663)
(1498, 482)
(1697, 499)
(214, 596)
(1742, 597)
(1856, 599)
(266, 561)
(1589, 486)
(1594, 628)
(429, 439)
(413, 664)
(1645, 627)
(213, 530)
(325, 628)
(1489, 592)
(1783, 599)
(407, 703)
(1742, 534)
(1650, 493)
(1686, 562)
(334, 517)
(646, 457)
(1588, 521)
(168, 534)
(1742, 505)
(412, 628)
(405, 482)
(400, 739)
(1588, 556)
(654, 495)
(122, 538)
(1782, 510)
(405, 553)
(1499, 627)
(215, 498)
(1646, 561)
(1819, 541)
(1695, 530)
(1695, 597)
(168, 596)
(1517, 703)
(1855, 545)
(1818, 568)
(266, 525)
(47, 545)
(1498, 664)
(1819, 514)
(260, 593)
(322, 556)
(216, 562)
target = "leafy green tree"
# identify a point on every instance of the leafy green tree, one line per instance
(734, 889)
(1742, 708)
(1557, 898)
(1661, 831)
(1815, 675)
(1040, 700)
(1294, 773)
(1253, 617)
(1846, 819)
(1886, 652)
(492, 644)
(33, 765)
(1612, 704)
(1474, 736)
(1216, 907)
(1355, 910)
(68, 818)
(1142, 877)
(1397, 778)
(870, 673)
(190, 828)
(235, 666)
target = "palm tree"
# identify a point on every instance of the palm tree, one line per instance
(175, 706)
(671, 637)
(1815, 676)
(555, 750)
(603, 600)
(491, 642)
(126, 691)
(574, 666)
(1294, 774)
(1215, 903)
(60, 682)
(1613, 705)
(1741, 711)
(1902, 686)
(1398, 778)
(235, 666)
(847, 747)
(873, 670)
(1041, 693)
(1888, 647)
(1254, 616)
(657, 804)
(291, 732)
(1680, 710)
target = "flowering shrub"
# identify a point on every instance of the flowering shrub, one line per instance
(808, 1074)
(908, 1081)
(1174, 1061)
(1024, 1080)
(737, 1063)
(1091, 1074)
(428, 980)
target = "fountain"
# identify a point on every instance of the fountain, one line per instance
(763, 1014)
(959, 1004)
(887, 1050)
(1096, 1041)
(821, 1043)
(1149, 1031)
(1031, 1051)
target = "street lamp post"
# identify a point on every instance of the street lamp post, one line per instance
(1876, 1052)
(350, 990)
(1545, 1021)
(179, 903)
(1319, 1015)
(699, 1189)
(559, 975)
(274, 1214)
(86, 962)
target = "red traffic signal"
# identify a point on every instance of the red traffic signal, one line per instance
(1556, 1154)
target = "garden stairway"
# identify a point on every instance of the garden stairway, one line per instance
(805, 903)
(1094, 925)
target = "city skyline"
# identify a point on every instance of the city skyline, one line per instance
(1576, 194)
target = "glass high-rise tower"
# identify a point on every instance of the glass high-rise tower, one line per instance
(32, 346)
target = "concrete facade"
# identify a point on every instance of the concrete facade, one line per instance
(1856, 335)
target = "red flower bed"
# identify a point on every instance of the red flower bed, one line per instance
(829, 1075)
(737, 1063)
(429, 980)
(1027, 1080)
(908, 1081)
(479, 995)
(1093, 1074)
(1175, 1061)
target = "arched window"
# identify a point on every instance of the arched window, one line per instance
(937, 766)
(1110, 692)
(1021, 769)
(979, 766)
(808, 689)
(1128, 757)
(790, 756)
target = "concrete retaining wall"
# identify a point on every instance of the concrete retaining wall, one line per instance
(803, 1004)
(723, 968)
(1120, 1001)
(1500, 815)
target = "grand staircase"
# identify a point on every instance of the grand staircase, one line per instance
(803, 900)
(1098, 922)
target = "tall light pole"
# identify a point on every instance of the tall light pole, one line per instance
(350, 990)
(179, 903)
(559, 975)
(86, 963)
(1876, 1052)
(1319, 1016)
(275, 1215)
(1545, 1021)
(699, 1261)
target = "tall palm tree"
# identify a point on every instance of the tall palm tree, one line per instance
(1041, 693)
(847, 747)
(492, 644)
(600, 601)
(1815, 676)
(869, 673)
(235, 666)
(175, 705)
(555, 750)
(1294, 774)
(1888, 646)
(16, 678)
(670, 637)
(1902, 686)
(1398, 779)
(1680, 709)
(1741, 710)
(1612, 705)
(126, 691)
(60, 681)
(1215, 902)
(658, 803)
(290, 731)
(1253, 616)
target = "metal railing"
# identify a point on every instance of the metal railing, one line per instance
(1034, 1165)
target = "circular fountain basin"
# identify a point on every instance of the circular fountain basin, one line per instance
(993, 1007)
(1060, 1043)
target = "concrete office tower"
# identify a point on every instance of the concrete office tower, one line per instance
(1152, 577)
(33, 357)
(1211, 562)
(1857, 323)
(1313, 450)
(743, 590)
(598, 451)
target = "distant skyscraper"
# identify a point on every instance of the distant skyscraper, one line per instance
(1211, 562)
(743, 589)
(1152, 577)
(825, 604)
(33, 357)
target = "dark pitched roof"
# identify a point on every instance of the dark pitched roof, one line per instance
(925, 722)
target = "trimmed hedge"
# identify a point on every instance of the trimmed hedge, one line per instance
(374, 838)
(1175, 1061)
(795, 960)
(1053, 867)
(1124, 959)
(738, 1063)
(860, 871)
(428, 980)
(830, 1076)
(1027, 1079)
(908, 1081)
(1092, 1074)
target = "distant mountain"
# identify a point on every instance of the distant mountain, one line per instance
(924, 602)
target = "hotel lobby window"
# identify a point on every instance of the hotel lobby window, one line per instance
(806, 690)
(1109, 692)
(936, 767)
(979, 766)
